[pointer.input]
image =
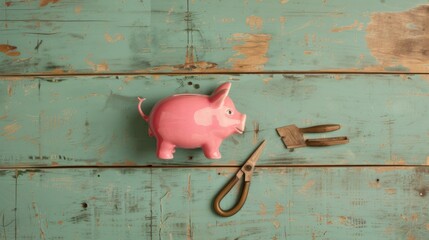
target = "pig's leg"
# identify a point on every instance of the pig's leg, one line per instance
(211, 149)
(165, 150)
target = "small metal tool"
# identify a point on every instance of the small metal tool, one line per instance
(246, 170)
(293, 136)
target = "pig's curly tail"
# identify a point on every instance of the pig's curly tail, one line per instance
(144, 116)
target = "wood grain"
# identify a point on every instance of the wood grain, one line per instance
(8, 198)
(283, 203)
(93, 121)
(76, 161)
(109, 36)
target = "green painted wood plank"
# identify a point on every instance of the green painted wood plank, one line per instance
(81, 36)
(19, 131)
(94, 121)
(241, 36)
(8, 183)
(284, 203)
(84, 204)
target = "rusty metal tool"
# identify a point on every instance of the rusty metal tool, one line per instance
(293, 136)
(246, 170)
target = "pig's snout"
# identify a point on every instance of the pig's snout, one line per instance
(241, 128)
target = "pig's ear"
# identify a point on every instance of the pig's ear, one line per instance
(226, 86)
(218, 96)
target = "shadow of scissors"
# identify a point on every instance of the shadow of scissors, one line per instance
(246, 170)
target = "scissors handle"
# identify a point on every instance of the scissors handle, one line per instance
(224, 192)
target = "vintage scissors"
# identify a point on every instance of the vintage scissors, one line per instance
(246, 170)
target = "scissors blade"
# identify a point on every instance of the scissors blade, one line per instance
(251, 161)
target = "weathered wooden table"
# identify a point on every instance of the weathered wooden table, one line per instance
(76, 161)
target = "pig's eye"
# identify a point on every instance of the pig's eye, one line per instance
(229, 112)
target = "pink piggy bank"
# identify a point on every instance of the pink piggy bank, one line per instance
(194, 121)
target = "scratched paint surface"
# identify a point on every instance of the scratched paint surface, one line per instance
(85, 36)
(88, 204)
(102, 36)
(76, 161)
(7, 204)
(297, 203)
(94, 121)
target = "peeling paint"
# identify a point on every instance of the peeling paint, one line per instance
(374, 184)
(189, 235)
(98, 67)
(262, 209)
(9, 90)
(40, 219)
(410, 236)
(390, 191)
(254, 22)
(388, 169)
(410, 218)
(307, 186)
(355, 25)
(58, 71)
(196, 66)
(10, 129)
(9, 50)
(43, 3)
(189, 188)
(400, 38)
(279, 209)
(113, 39)
(276, 224)
(253, 49)
(78, 9)
(267, 80)
(255, 132)
(128, 79)
(189, 58)
(125, 163)
(339, 77)
(352, 221)
(189, 65)
(101, 151)
(396, 162)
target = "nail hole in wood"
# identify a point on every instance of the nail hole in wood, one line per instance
(84, 205)
(190, 83)
(196, 86)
